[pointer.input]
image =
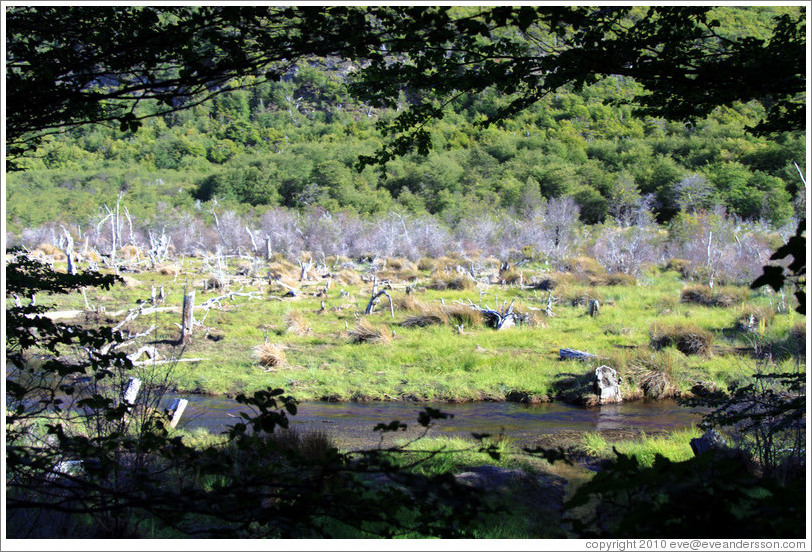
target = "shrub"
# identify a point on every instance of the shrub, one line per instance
(689, 339)
(270, 355)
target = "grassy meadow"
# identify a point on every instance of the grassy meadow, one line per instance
(665, 335)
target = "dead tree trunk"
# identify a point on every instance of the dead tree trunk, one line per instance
(594, 308)
(188, 319)
(69, 251)
(572, 354)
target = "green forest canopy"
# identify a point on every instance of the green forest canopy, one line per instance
(295, 142)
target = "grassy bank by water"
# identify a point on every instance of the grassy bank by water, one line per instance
(320, 344)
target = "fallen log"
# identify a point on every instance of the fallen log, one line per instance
(572, 354)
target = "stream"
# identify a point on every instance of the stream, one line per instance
(351, 424)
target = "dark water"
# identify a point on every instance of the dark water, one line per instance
(352, 423)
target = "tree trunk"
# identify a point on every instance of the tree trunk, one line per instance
(188, 317)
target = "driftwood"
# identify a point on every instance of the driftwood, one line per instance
(377, 295)
(572, 354)
(500, 319)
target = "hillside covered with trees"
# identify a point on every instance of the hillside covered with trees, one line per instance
(295, 144)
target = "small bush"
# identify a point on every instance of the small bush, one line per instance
(699, 295)
(687, 338)
(365, 332)
(270, 355)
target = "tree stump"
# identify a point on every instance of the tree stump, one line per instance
(594, 308)
(607, 385)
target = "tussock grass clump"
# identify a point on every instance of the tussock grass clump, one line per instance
(427, 264)
(130, 252)
(91, 255)
(752, 318)
(577, 295)
(168, 270)
(584, 265)
(511, 276)
(722, 297)
(296, 323)
(689, 339)
(366, 332)
(678, 265)
(311, 446)
(49, 250)
(454, 281)
(615, 279)
(424, 319)
(270, 355)
(279, 270)
(798, 335)
(348, 277)
(463, 315)
(409, 303)
(555, 279)
(649, 371)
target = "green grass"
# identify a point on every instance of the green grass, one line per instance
(437, 362)
(676, 446)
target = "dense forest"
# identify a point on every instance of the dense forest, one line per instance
(295, 144)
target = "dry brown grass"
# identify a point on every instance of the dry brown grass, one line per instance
(168, 270)
(720, 297)
(296, 323)
(455, 280)
(348, 277)
(130, 253)
(366, 332)
(270, 355)
(282, 269)
(49, 250)
(463, 315)
(424, 319)
(585, 265)
(614, 279)
(409, 303)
